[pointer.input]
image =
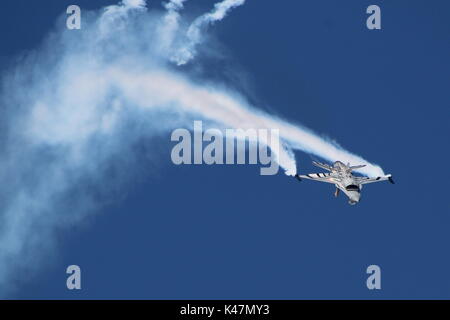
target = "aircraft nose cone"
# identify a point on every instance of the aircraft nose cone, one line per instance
(354, 197)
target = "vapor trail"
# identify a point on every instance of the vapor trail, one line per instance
(170, 25)
(72, 112)
(231, 110)
(195, 31)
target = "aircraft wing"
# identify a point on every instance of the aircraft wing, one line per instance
(321, 177)
(364, 180)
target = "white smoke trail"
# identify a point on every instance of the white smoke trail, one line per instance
(170, 25)
(229, 109)
(115, 11)
(72, 112)
(194, 33)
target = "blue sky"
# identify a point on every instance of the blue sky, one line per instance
(212, 232)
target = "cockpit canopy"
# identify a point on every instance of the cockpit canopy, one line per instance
(338, 164)
(352, 187)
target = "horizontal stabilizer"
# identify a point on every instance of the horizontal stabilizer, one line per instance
(322, 165)
(357, 167)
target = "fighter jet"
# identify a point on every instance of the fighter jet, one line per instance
(341, 176)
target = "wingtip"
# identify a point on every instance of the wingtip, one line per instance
(390, 179)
